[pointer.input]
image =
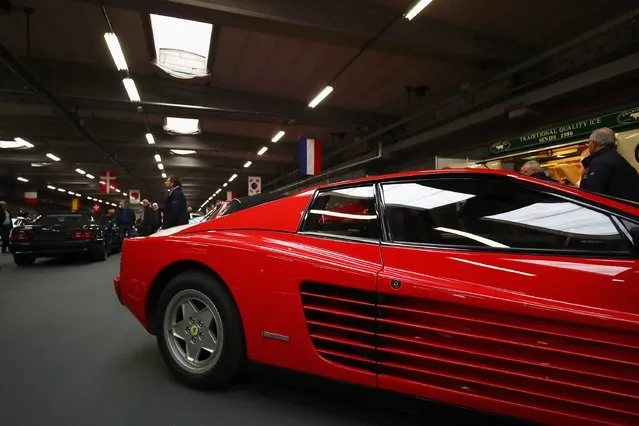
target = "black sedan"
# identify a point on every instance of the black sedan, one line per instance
(59, 235)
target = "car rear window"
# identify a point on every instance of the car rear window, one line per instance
(63, 220)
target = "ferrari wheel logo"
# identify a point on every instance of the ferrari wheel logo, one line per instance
(194, 330)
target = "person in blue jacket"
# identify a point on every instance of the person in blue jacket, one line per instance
(125, 219)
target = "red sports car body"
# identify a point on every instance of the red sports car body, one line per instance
(478, 288)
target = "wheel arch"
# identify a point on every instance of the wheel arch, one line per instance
(165, 276)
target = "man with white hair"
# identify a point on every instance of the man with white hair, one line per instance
(533, 169)
(607, 172)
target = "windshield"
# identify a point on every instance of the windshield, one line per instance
(63, 220)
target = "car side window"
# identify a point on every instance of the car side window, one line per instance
(346, 212)
(476, 212)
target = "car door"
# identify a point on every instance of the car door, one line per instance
(500, 296)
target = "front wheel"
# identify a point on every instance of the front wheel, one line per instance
(23, 260)
(199, 331)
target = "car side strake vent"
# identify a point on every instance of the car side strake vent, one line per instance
(580, 371)
(341, 324)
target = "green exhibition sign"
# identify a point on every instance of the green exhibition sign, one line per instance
(574, 130)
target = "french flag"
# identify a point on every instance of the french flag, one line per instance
(310, 157)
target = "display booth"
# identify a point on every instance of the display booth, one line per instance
(560, 149)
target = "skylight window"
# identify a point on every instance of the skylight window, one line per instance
(181, 46)
(182, 126)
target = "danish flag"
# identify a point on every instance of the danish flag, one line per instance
(107, 182)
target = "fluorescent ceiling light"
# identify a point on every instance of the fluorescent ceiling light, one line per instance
(17, 143)
(116, 51)
(279, 135)
(262, 151)
(51, 187)
(62, 190)
(24, 143)
(322, 95)
(232, 178)
(181, 46)
(125, 194)
(89, 198)
(90, 176)
(131, 89)
(53, 157)
(21, 179)
(225, 184)
(248, 164)
(415, 10)
(163, 175)
(182, 126)
(39, 164)
(82, 172)
(150, 139)
(70, 192)
(101, 201)
(183, 151)
(158, 158)
(118, 191)
(160, 166)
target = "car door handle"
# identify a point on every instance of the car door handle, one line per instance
(395, 284)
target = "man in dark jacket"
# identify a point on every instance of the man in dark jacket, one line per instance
(534, 169)
(607, 172)
(174, 213)
(6, 224)
(148, 222)
(125, 219)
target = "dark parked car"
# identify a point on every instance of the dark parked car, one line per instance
(59, 235)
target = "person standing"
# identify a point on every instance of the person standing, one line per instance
(157, 217)
(6, 224)
(147, 223)
(533, 169)
(125, 219)
(607, 172)
(175, 209)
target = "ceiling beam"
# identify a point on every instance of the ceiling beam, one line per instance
(337, 22)
(75, 83)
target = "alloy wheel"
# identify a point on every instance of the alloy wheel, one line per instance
(194, 331)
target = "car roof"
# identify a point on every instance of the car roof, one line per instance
(284, 214)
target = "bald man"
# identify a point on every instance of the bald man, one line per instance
(607, 172)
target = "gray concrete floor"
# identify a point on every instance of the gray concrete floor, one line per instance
(70, 354)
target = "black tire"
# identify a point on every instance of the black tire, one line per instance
(232, 359)
(102, 254)
(23, 260)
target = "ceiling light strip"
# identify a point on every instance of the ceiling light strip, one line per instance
(415, 10)
(321, 96)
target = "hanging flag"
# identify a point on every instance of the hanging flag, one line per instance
(75, 204)
(31, 197)
(254, 185)
(107, 182)
(231, 195)
(310, 157)
(134, 196)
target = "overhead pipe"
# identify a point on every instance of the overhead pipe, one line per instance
(22, 72)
